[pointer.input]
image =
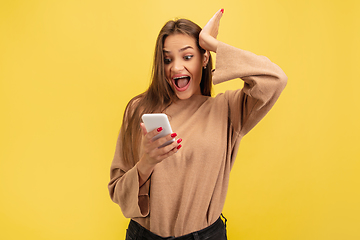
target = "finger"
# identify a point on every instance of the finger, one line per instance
(159, 142)
(153, 133)
(143, 128)
(170, 152)
(218, 16)
(212, 26)
(170, 147)
(159, 154)
(211, 20)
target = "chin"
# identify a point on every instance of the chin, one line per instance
(184, 96)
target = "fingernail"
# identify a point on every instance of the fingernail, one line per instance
(159, 129)
(178, 147)
(173, 135)
(222, 10)
(179, 140)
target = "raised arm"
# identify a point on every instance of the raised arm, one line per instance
(263, 80)
(263, 83)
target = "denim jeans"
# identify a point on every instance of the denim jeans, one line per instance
(216, 231)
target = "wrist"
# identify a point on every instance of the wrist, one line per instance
(210, 44)
(144, 169)
(215, 45)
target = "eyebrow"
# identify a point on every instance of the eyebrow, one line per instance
(181, 50)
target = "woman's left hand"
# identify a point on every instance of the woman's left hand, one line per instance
(207, 37)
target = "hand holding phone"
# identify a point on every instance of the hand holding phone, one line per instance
(155, 120)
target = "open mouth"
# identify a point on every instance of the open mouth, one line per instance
(181, 83)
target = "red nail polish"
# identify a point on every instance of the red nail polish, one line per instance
(179, 140)
(159, 129)
(178, 147)
(222, 10)
(173, 135)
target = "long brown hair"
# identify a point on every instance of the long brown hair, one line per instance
(159, 94)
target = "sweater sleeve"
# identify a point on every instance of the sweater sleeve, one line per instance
(263, 83)
(124, 187)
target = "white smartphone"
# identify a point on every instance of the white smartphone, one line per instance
(155, 120)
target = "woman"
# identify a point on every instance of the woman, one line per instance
(188, 189)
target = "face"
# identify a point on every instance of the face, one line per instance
(183, 63)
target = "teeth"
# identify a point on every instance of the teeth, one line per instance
(180, 77)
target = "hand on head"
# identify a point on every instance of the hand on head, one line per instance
(207, 37)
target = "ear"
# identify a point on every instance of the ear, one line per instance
(206, 57)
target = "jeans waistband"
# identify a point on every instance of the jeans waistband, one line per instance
(138, 230)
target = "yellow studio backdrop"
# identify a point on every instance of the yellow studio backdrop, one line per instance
(68, 68)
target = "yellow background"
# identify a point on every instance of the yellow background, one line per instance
(68, 68)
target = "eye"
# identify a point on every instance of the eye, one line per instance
(167, 60)
(188, 57)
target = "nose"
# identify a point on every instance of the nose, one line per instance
(178, 66)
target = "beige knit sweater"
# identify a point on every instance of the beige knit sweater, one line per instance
(186, 192)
